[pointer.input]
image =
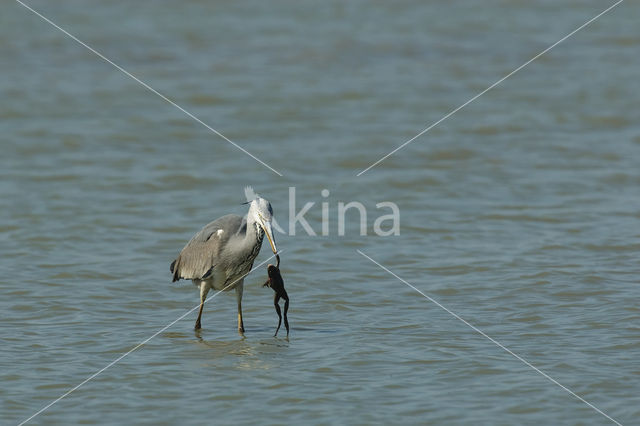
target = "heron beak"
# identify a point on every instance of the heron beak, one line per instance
(267, 230)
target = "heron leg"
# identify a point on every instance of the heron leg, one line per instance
(239, 289)
(204, 289)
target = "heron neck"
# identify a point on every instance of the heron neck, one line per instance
(254, 235)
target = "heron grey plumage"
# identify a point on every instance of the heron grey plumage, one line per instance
(222, 253)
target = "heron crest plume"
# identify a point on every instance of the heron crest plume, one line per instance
(250, 194)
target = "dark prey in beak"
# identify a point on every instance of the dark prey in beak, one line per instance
(276, 282)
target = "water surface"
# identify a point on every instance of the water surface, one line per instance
(520, 213)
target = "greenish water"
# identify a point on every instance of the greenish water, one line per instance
(520, 213)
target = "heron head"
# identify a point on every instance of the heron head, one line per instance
(262, 213)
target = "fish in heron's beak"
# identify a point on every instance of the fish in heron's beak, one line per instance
(276, 282)
(266, 226)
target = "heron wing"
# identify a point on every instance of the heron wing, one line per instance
(201, 254)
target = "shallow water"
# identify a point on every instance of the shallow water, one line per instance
(520, 213)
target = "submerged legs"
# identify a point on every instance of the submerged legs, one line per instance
(204, 289)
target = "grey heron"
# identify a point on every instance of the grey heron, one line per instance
(222, 253)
